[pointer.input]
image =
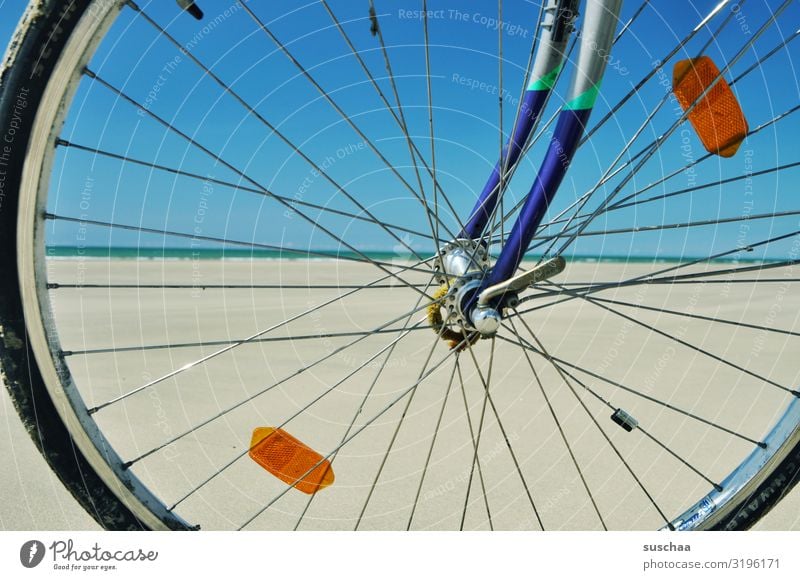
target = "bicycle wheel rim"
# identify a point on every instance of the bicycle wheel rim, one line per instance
(147, 508)
(153, 512)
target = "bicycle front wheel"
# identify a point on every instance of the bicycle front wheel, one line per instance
(227, 245)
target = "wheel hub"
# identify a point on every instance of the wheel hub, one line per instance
(460, 258)
(461, 267)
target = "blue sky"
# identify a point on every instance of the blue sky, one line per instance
(465, 87)
(11, 10)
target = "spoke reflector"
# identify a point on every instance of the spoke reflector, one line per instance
(717, 118)
(290, 460)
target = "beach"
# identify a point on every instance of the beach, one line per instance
(649, 349)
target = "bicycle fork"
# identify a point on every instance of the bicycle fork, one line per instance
(482, 306)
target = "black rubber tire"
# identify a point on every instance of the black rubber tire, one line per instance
(33, 54)
(35, 51)
(779, 483)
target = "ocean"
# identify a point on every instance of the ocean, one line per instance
(163, 253)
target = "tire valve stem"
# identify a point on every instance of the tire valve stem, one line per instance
(191, 8)
(624, 420)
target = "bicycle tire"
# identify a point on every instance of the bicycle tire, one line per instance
(38, 45)
(42, 35)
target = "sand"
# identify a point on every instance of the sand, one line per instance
(113, 323)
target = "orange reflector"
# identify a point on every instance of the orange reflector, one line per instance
(717, 118)
(290, 460)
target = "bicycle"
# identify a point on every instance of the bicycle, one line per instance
(164, 438)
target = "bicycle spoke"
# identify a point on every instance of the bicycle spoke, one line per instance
(683, 343)
(527, 346)
(345, 117)
(663, 138)
(234, 345)
(557, 423)
(475, 450)
(619, 203)
(683, 225)
(266, 390)
(236, 186)
(666, 448)
(252, 245)
(662, 310)
(296, 414)
(625, 202)
(602, 431)
(701, 186)
(70, 286)
(430, 112)
(413, 151)
(653, 277)
(769, 54)
(513, 455)
(502, 137)
(430, 448)
(532, 141)
(611, 172)
(410, 389)
(507, 172)
(630, 21)
(359, 410)
(95, 77)
(272, 128)
(473, 441)
(396, 431)
(204, 343)
(691, 278)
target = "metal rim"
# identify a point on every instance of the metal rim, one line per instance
(32, 276)
(754, 470)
